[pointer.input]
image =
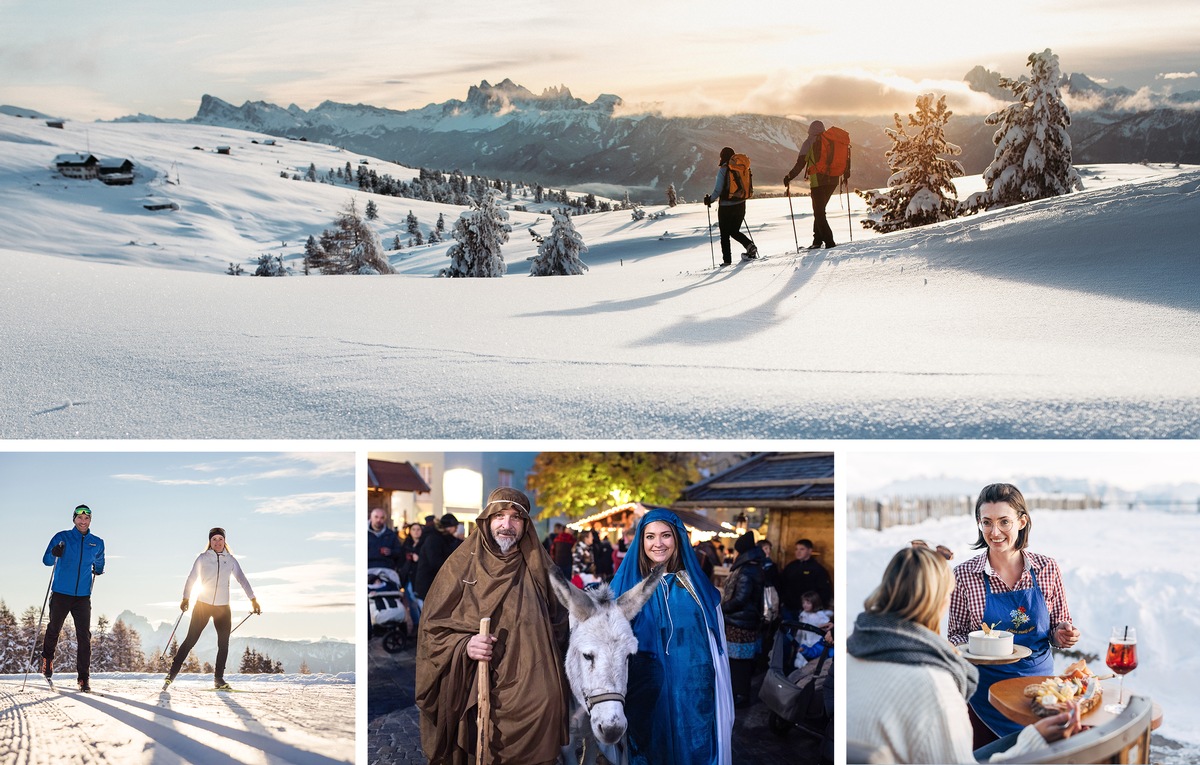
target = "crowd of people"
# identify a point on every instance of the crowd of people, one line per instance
(697, 644)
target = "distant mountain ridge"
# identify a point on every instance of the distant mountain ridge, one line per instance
(505, 130)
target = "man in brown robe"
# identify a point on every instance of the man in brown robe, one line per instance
(501, 571)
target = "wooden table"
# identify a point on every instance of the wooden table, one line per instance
(1008, 696)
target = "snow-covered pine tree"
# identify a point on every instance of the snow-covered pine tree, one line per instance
(353, 247)
(12, 655)
(128, 653)
(270, 265)
(372, 210)
(672, 196)
(396, 242)
(1033, 149)
(558, 254)
(920, 190)
(411, 224)
(479, 232)
(441, 222)
(311, 175)
(102, 646)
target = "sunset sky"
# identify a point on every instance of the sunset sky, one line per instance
(86, 60)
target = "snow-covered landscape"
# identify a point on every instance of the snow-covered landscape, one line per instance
(302, 719)
(1070, 317)
(1118, 568)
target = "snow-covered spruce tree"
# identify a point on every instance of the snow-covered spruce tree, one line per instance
(353, 247)
(270, 265)
(372, 210)
(12, 656)
(479, 232)
(920, 190)
(672, 197)
(558, 254)
(1033, 149)
(410, 223)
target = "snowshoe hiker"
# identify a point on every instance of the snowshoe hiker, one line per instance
(77, 556)
(212, 568)
(734, 185)
(825, 161)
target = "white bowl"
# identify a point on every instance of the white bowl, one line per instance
(998, 643)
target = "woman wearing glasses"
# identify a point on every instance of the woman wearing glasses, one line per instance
(1010, 588)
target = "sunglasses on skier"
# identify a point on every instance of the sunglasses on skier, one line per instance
(83, 510)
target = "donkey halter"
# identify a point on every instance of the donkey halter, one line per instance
(592, 701)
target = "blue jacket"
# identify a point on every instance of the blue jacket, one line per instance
(83, 556)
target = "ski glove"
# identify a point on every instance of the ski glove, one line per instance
(183, 604)
(57, 551)
(707, 200)
(254, 603)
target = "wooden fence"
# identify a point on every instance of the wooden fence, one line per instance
(879, 514)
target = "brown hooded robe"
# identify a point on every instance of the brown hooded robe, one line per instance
(529, 689)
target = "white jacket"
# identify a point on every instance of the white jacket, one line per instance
(213, 571)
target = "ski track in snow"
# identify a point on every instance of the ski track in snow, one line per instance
(129, 721)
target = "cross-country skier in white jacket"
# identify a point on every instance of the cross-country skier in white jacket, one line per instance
(212, 569)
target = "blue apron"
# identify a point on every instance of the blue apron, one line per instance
(1023, 613)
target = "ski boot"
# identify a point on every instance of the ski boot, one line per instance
(751, 253)
(221, 685)
(167, 683)
(84, 685)
(47, 667)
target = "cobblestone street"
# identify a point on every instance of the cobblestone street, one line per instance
(393, 733)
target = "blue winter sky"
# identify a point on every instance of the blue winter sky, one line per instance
(289, 520)
(87, 60)
(1128, 466)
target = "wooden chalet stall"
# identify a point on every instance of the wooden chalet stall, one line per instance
(614, 520)
(385, 478)
(788, 495)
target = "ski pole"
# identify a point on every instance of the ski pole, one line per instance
(711, 251)
(168, 644)
(849, 225)
(243, 621)
(792, 213)
(33, 643)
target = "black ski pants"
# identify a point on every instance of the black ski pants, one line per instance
(822, 233)
(222, 619)
(729, 220)
(80, 609)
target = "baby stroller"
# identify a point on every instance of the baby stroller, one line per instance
(388, 605)
(796, 698)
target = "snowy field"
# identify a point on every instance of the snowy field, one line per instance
(1117, 570)
(301, 719)
(1073, 317)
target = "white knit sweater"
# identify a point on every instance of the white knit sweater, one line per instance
(213, 571)
(916, 714)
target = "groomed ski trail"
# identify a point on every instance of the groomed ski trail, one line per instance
(304, 725)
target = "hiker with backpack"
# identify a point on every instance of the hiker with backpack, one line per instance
(734, 186)
(825, 161)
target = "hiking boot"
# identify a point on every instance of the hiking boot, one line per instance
(47, 667)
(221, 685)
(84, 685)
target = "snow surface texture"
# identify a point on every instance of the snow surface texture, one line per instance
(1069, 317)
(302, 719)
(1116, 571)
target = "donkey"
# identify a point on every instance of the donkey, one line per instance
(597, 657)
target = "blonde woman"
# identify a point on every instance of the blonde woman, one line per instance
(908, 687)
(212, 569)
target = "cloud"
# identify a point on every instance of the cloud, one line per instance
(1177, 76)
(300, 504)
(258, 467)
(168, 481)
(321, 584)
(332, 536)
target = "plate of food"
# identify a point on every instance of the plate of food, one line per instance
(989, 645)
(1053, 695)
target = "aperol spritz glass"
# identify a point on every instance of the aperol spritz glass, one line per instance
(1122, 659)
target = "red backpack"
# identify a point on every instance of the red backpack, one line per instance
(831, 153)
(741, 180)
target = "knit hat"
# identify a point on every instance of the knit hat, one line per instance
(214, 531)
(744, 543)
(816, 127)
(448, 521)
(726, 153)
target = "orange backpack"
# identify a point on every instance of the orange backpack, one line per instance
(831, 152)
(741, 180)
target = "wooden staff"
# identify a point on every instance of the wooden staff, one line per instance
(484, 708)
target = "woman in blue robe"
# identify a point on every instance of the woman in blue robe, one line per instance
(678, 703)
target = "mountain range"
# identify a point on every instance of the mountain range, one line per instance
(552, 138)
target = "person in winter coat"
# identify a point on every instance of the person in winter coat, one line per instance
(804, 574)
(822, 187)
(77, 556)
(730, 212)
(435, 549)
(907, 684)
(212, 570)
(563, 552)
(678, 700)
(741, 602)
(602, 555)
(383, 544)
(581, 557)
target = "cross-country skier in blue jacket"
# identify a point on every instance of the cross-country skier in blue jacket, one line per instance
(77, 555)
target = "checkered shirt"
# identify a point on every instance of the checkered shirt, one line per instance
(966, 604)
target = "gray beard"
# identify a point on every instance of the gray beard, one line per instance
(505, 544)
